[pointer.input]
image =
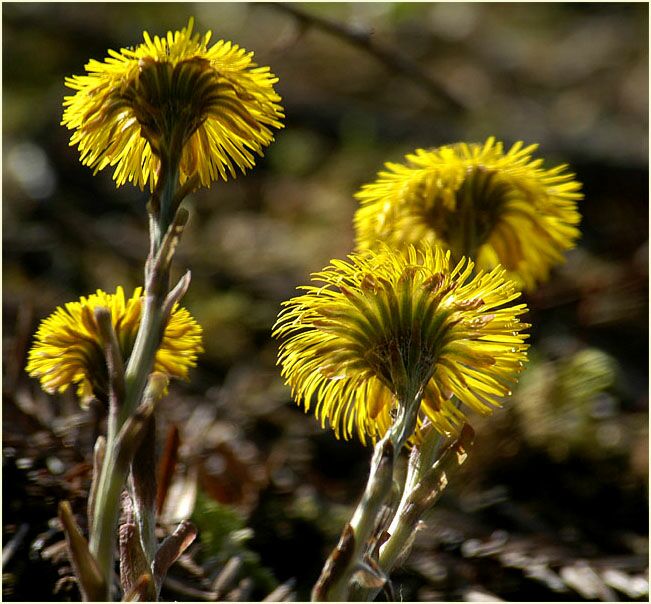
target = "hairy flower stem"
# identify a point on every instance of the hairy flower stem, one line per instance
(334, 583)
(430, 465)
(166, 201)
(400, 532)
(114, 475)
(112, 480)
(107, 504)
(143, 489)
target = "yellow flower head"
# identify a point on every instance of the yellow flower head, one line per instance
(387, 325)
(170, 97)
(477, 201)
(68, 346)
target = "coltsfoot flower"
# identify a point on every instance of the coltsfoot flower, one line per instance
(170, 97)
(386, 325)
(478, 201)
(68, 349)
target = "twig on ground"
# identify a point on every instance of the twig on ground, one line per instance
(14, 544)
(390, 57)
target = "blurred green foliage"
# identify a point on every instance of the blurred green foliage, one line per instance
(223, 535)
(566, 405)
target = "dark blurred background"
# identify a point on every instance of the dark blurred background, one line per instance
(553, 501)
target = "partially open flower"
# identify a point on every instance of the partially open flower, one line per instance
(68, 346)
(171, 98)
(477, 201)
(388, 325)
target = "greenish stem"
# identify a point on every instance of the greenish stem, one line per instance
(364, 519)
(402, 533)
(143, 489)
(113, 476)
(405, 423)
(334, 583)
(141, 363)
(107, 506)
(144, 351)
(167, 203)
(156, 287)
(121, 447)
(429, 467)
(421, 460)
